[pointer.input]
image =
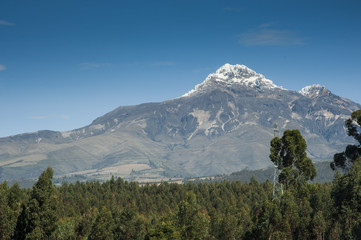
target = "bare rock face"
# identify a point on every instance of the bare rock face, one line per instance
(223, 125)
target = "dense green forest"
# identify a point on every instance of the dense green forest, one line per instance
(117, 209)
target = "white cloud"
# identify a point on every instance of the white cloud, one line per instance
(266, 36)
(3, 22)
(2, 67)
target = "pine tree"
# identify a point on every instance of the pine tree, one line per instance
(38, 218)
(192, 222)
(9, 209)
(346, 194)
(103, 226)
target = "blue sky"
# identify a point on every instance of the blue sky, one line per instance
(64, 63)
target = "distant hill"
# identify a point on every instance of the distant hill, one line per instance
(223, 125)
(324, 174)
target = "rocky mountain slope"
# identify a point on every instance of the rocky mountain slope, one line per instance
(223, 125)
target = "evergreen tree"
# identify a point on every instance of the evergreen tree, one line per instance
(165, 229)
(192, 222)
(103, 226)
(9, 209)
(85, 223)
(128, 224)
(270, 224)
(65, 230)
(346, 193)
(38, 218)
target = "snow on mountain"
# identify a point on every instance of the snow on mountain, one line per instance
(234, 74)
(312, 90)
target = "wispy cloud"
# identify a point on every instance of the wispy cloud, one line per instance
(38, 117)
(232, 9)
(91, 65)
(267, 24)
(267, 35)
(3, 22)
(2, 67)
(163, 63)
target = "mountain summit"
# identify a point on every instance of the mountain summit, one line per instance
(314, 90)
(229, 75)
(223, 125)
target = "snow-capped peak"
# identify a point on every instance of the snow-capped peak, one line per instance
(312, 90)
(234, 74)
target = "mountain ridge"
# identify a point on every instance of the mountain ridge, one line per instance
(224, 125)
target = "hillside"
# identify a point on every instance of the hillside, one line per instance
(324, 174)
(223, 125)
